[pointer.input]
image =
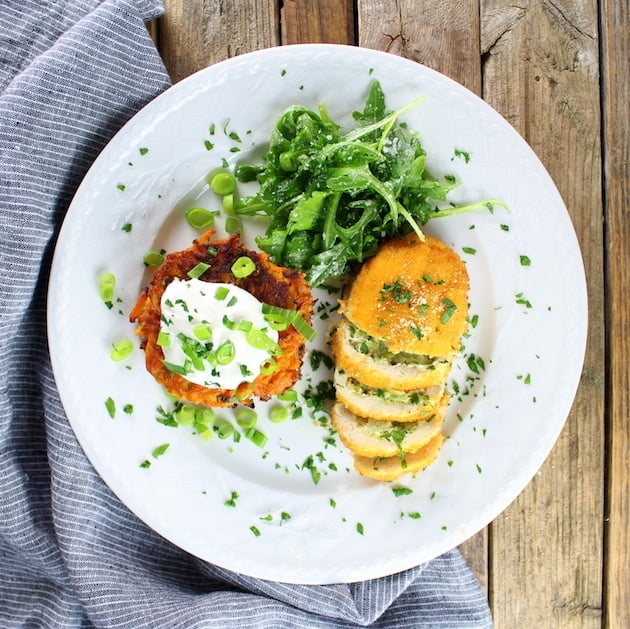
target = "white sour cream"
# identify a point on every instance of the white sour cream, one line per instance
(197, 318)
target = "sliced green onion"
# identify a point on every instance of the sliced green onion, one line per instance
(241, 326)
(268, 367)
(164, 339)
(256, 437)
(121, 350)
(258, 339)
(294, 317)
(280, 314)
(228, 205)
(182, 370)
(203, 431)
(199, 217)
(243, 267)
(204, 416)
(106, 285)
(185, 415)
(225, 353)
(221, 293)
(195, 359)
(223, 184)
(153, 258)
(224, 429)
(303, 328)
(278, 414)
(233, 224)
(198, 270)
(246, 418)
(244, 391)
(278, 324)
(202, 332)
(290, 395)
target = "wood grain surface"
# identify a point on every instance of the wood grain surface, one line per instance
(615, 36)
(559, 72)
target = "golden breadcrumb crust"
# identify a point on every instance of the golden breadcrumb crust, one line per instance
(413, 295)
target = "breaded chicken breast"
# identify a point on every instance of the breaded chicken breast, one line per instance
(393, 348)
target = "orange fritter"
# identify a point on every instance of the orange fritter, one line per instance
(269, 283)
(413, 295)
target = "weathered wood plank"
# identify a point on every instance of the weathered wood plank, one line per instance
(616, 104)
(442, 35)
(445, 37)
(314, 21)
(194, 34)
(541, 73)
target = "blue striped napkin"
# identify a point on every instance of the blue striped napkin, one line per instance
(72, 72)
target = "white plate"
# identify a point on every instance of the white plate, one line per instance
(500, 431)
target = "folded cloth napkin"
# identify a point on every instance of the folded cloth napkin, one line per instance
(71, 555)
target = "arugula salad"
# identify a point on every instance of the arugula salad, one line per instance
(332, 197)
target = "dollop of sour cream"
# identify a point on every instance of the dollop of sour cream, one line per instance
(214, 334)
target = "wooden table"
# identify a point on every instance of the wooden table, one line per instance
(559, 72)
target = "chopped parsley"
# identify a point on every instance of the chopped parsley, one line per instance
(160, 450)
(231, 501)
(110, 405)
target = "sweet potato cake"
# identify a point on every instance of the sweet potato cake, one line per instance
(269, 283)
